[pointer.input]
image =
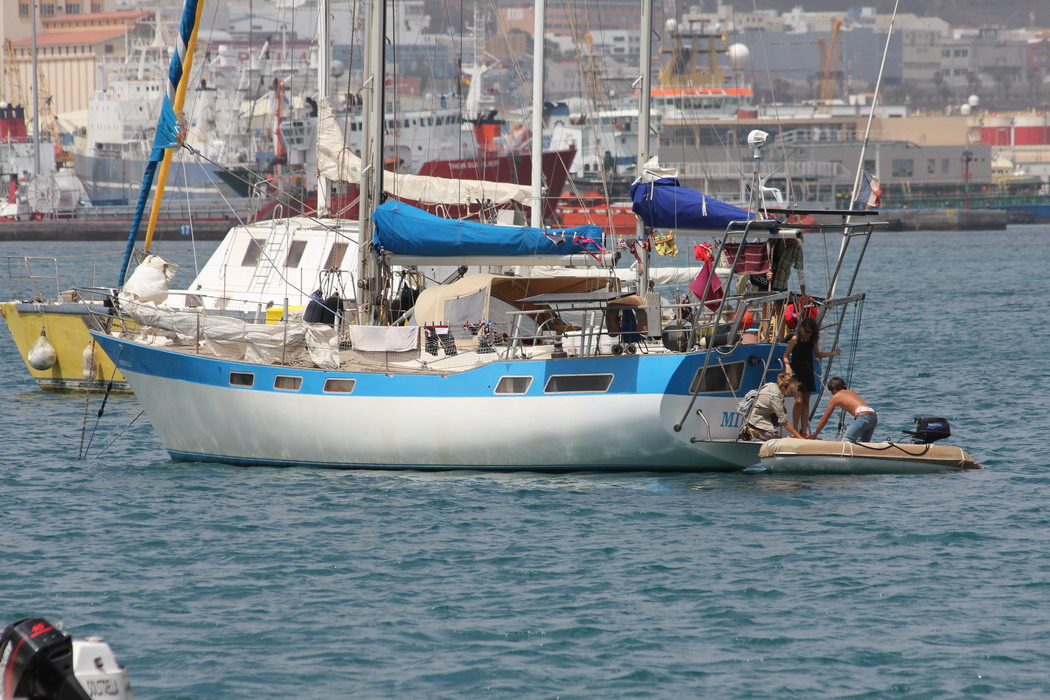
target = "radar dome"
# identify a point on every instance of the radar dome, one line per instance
(739, 55)
(671, 25)
(337, 68)
(965, 110)
(973, 100)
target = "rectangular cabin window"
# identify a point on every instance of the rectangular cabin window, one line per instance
(513, 385)
(242, 379)
(295, 253)
(339, 386)
(253, 252)
(285, 382)
(335, 256)
(578, 383)
(718, 378)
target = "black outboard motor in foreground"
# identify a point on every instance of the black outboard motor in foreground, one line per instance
(38, 661)
(929, 430)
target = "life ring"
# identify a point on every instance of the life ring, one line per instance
(791, 314)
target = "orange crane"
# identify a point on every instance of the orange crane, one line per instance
(13, 75)
(831, 60)
(49, 119)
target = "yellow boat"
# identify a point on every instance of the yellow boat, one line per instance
(257, 272)
(79, 365)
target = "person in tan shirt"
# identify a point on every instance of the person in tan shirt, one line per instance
(864, 416)
(769, 413)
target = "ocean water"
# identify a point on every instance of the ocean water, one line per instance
(221, 582)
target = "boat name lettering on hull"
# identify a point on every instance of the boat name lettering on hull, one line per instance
(730, 419)
(102, 688)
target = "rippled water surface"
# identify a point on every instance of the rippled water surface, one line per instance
(222, 582)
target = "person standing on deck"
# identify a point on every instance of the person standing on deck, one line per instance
(802, 350)
(864, 416)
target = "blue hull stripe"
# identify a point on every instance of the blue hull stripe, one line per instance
(635, 375)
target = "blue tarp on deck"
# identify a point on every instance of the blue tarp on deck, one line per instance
(666, 204)
(402, 229)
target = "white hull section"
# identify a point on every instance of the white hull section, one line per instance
(506, 432)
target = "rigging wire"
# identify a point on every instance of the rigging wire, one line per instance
(122, 431)
(101, 408)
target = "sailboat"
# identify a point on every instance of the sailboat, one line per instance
(486, 371)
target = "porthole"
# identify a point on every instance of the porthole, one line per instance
(285, 382)
(578, 383)
(513, 385)
(339, 386)
(242, 379)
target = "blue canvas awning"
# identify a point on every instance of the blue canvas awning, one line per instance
(404, 230)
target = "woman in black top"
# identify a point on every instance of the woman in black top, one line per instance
(803, 347)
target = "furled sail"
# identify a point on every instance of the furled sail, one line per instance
(665, 203)
(338, 163)
(401, 229)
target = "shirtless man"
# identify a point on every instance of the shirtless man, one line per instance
(864, 418)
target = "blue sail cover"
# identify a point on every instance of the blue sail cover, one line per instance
(666, 204)
(401, 229)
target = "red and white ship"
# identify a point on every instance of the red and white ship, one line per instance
(486, 152)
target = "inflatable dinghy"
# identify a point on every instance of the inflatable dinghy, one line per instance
(792, 455)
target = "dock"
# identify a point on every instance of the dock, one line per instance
(112, 230)
(945, 219)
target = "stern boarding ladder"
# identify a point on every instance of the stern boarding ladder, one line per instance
(764, 230)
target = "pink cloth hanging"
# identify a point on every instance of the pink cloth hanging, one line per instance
(707, 287)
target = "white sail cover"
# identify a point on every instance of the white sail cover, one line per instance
(338, 163)
(652, 171)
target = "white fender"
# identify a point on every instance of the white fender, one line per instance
(42, 355)
(88, 358)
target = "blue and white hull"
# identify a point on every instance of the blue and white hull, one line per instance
(443, 421)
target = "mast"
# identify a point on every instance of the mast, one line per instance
(36, 102)
(371, 187)
(324, 189)
(855, 192)
(645, 90)
(185, 46)
(167, 136)
(536, 218)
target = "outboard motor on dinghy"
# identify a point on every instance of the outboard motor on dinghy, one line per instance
(41, 662)
(929, 430)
